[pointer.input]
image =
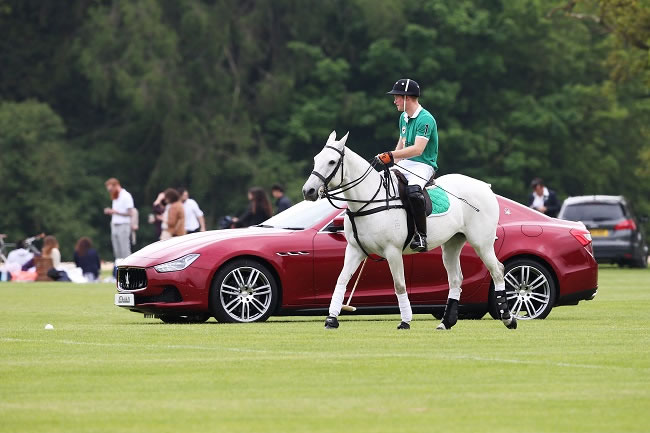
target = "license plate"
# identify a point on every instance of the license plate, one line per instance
(599, 232)
(124, 299)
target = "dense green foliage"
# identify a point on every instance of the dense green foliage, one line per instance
(222, 95)
(105, 369)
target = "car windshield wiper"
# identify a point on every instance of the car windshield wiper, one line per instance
(293, 228)
(266, 226)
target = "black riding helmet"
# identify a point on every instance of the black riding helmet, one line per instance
(405, 86)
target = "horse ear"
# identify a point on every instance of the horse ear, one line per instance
(344, 139)
(332, 136)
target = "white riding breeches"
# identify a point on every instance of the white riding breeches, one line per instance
(421, 172)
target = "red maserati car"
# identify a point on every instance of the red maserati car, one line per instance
(289, 265)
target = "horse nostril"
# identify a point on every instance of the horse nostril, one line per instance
(311, 191)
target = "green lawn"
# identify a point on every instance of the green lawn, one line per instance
(102, 369)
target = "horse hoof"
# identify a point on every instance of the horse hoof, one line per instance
(510, 323)
(442, 327)
(331, 322)
(403, 325)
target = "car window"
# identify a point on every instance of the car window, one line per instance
(301, 215)
(594, 212)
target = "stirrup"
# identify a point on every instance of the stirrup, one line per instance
(419, 242)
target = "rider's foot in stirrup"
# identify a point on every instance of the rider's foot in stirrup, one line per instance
(419, 242)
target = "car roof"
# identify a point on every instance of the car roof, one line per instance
(594, 199)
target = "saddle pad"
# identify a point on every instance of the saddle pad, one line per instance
(439, 200)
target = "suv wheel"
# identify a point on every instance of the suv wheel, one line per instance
(640, 262)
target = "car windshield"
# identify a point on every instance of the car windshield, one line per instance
(301, 215)
(593, 212)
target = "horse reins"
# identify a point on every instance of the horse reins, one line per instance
(386, 183)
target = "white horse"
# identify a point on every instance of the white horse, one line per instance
(384, 232)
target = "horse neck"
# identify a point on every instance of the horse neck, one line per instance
(355, 167)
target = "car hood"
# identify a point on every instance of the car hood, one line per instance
(181, 245)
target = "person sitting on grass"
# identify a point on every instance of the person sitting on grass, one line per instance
(86, 258)
(51, 251)
(21, 256)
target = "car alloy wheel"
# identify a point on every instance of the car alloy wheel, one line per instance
(530, 290)
(243, 291)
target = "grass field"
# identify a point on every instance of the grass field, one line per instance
(102, 369)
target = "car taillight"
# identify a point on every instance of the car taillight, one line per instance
(625, 225)
(584, 237)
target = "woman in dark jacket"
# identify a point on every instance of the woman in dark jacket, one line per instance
(86, 258)
(259, 209)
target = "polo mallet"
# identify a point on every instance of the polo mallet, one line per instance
(348, 307)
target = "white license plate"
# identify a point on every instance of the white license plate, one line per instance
(124, 299)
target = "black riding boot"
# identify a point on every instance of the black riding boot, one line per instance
(416, 200)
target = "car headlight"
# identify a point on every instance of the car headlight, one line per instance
(178, 264)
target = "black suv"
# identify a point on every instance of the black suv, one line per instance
(616, 234)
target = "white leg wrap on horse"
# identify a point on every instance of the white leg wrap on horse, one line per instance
(454, 293)
(337, 300)
(405, 307)
(499, 286)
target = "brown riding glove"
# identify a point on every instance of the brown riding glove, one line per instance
(386, 158)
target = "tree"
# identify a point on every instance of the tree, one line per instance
(45, 191)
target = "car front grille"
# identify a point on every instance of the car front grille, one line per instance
(131, 278)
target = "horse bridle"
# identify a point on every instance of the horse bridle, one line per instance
(330, 195)
(328, 179)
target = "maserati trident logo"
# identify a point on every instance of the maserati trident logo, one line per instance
(126, 281)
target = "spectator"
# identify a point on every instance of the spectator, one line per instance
(51, 251)
(175, 213)
(543, 199)
(86, 258)
(21, 256)
(259, 209)
(156, 217)
(282, 202)
(194, 219)
(121, 213)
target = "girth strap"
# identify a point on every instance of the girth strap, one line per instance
(353, 215)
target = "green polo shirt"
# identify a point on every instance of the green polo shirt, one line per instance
(422, 124)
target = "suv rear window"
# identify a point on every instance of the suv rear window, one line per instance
(594, 212)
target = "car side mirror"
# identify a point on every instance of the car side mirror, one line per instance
(336, 225)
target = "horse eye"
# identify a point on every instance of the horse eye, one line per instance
(332, 162)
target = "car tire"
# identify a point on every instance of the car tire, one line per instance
(640, 262)
(530, 288)
(192, 318)
(243, 291)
